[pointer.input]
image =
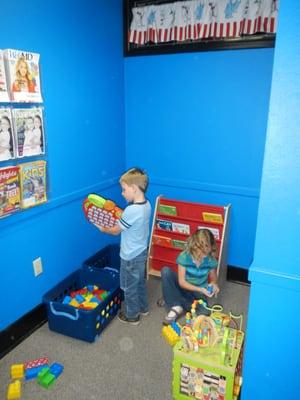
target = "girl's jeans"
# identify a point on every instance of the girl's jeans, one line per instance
(132, 281)
(174, 295)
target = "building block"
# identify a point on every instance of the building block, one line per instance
(17, 371)
(14, 390)
(36, 363)
(177, 327)
(31, 373)
(170, 335)
(45, 378)
(56, 369)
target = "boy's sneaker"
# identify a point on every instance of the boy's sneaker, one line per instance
(144, 313)
(132, 321)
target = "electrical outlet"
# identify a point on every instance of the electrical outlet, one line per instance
(37, 266)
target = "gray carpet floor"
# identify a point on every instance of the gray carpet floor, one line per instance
(127, 362)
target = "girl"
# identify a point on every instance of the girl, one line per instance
(6, 144)
(23, 81)
(196, 268)
(33, 136)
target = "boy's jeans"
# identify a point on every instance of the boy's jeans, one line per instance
(132, 282)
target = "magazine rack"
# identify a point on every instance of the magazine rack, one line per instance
(174, 221)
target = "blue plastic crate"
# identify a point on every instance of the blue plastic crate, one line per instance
(108, 257)
(78, 323)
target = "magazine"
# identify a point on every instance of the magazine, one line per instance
(29, 131)
(9, 190)
(214, 231)
(7, 147)
(23, 75)
(163, 224)
(33, 183)
(4, 97)
(181, 228)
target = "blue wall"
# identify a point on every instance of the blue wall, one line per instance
(82, 83)
(197, 123)
(273, 347)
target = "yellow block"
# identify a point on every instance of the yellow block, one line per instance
(170, 335)
(17, 371)
(14, 390)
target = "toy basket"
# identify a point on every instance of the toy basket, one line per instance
(107, 257)
(79, 323)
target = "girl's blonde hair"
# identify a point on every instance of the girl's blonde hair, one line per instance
(135, 176)
(202, 239)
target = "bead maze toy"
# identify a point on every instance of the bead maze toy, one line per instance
(208, 357)
(100, 211)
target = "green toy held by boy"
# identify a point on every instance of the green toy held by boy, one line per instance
(134, 229)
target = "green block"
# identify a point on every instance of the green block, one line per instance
(47, 380)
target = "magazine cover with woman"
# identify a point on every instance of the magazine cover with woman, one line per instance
(4, 97)
(29, 131)
(23, 75)
(7, 148)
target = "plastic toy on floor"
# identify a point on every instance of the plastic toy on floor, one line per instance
(172, 333)
(101, 211)
(37, 368)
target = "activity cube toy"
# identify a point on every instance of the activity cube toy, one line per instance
(208, 357)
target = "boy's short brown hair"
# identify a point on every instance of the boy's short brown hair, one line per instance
(135, 176)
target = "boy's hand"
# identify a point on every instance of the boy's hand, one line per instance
(101, 228)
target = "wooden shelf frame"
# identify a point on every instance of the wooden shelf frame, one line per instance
(164, 257)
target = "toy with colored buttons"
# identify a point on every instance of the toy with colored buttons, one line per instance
(101, 211)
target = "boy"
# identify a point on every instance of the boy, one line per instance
(134, 229)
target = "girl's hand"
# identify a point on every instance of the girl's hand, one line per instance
(206, 292)
(215, 289)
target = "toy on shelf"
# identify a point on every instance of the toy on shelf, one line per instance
(101, 211)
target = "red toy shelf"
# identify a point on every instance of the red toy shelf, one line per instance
(174, 221)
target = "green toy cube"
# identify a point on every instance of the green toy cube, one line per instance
(212, 373)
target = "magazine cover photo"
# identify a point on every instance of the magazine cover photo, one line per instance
(29, 131)
(7, 148)
(23, 75)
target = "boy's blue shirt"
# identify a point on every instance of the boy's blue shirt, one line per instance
(134, 224)
(196, 275)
